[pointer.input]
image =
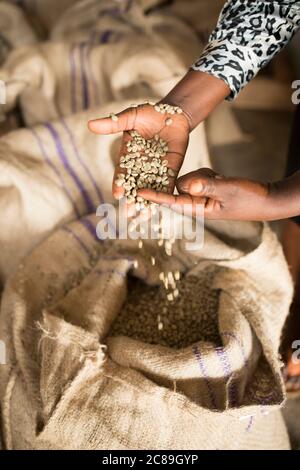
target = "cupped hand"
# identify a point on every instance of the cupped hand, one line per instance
(148, 122)
(221, 197)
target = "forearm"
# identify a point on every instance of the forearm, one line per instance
(248, 35)
(284, 197)
(198, 93)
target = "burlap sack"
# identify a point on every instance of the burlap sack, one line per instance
(112, 58)
(67, 169)
(14, 30)
(68, 384)
(59, 171)
(61, 387)
(45, 14)
(200, 15)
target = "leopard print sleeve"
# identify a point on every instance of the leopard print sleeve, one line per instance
(248, 34)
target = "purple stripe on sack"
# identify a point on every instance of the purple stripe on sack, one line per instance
(266, 400)
(90, 73)
(78, 239)
(82, 162)
(93, 230)
(109, 11)
(85, 87)
(111, 270)
(250, 424)
(64, 158)
(205, 376)
(233, 395)
(104, 36)
(56, 171)
(231, 335)
(86, 71)
(252, 395)
(73, 79)
(87, 224)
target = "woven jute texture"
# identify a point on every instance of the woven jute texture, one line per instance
(69, 384)
(70, 381)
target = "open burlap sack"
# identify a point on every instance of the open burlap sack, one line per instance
(61, 388)
(69, 384)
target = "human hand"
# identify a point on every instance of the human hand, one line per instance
(221, 197)
(147, 122)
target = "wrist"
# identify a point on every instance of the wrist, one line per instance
(284, 197)
(175, 100)
(197, 94)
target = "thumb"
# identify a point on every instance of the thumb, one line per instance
(204, 182)
(124, 121)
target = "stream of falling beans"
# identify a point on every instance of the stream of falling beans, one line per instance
(144, 165)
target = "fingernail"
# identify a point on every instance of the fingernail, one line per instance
(196, 187)
(118, 196)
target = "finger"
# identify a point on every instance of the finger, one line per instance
(173, 200)
(212, 208)
(193, 205)
(204, 182)
(162, 198)
(126, 210)
(175, 154)
(118, 191)
(125, 122)
(174, 164)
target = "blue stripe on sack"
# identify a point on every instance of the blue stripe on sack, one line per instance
(81, 161)
(64, 158)
(56, 171)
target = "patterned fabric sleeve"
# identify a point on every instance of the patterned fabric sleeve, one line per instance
(248, 34)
